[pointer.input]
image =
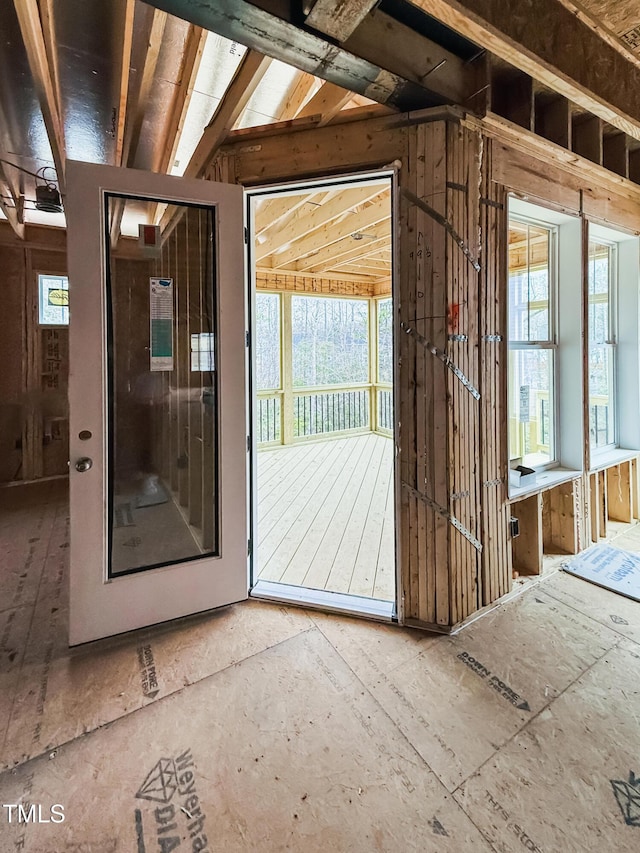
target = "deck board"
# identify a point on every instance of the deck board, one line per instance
(326, 515)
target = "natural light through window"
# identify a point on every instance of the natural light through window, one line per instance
(53, 300)
(602, 345)
(531, 344)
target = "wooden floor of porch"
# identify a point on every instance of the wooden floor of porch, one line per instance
(326, 515)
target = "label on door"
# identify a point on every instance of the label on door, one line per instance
(161, 314)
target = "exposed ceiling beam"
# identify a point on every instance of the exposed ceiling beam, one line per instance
(322, 239)
(273, 28)
(346, 249)
(194, 47)
(15, 217)
(327, 102)
(33, 37)
(244, 83)
(48, 32)
(274, 210)
(318, 216)
(551, 44)
(125, 65)
(339, 18)
(138, 104)
(302, 86)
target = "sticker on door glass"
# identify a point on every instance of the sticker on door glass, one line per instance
(161, 313)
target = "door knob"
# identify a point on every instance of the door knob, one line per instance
(84, 464)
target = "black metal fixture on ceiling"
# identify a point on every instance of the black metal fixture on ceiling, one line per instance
(48, 198)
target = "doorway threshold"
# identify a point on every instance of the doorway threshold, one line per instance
(321, 599)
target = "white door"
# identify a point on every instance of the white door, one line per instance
(158, 447)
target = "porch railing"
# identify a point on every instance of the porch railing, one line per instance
(323, 411)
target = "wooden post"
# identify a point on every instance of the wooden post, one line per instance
(373, 364)
(286, 345)
(528, 546)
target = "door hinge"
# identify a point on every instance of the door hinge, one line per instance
(249, 547)
(247, 339)
(246, 236)
(248, 443)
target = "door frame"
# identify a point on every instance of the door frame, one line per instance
(373, 609)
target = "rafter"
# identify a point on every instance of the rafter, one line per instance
(553, 45)
(138, 104)
(194, 47)
(303, 224)
(337, 18)
(321, 240)
(344, 250)
(244, 83)
(298, 94)
(275, 210)
(327, 102)
(125, 63)
(33, 37)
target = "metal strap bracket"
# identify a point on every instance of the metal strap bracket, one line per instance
(444, 358)
(459, 526)
(448, 227)
(492, 339)
(461, 339)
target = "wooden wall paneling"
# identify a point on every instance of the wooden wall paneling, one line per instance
(560, 518)
(587, 137)
(553, 119)
(32, 424)
(423, 558)
(635, 485)
(634, 165)
(620, 507)
(495, 570)
(528, 546)
(438, 482)
(594, 516)
(615, 153)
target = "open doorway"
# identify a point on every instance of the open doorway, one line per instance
(322, 394)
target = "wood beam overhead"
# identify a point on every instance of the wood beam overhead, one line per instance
(138, 105)
(318, 216)
(345, 250)
(551, 44)
(194, 47)
(338, 18)
(274, 210)
(245, 81)
(33, 37)
(273, 28)
(302, 86)
(327, 102)
(322, 238)
(125, 64)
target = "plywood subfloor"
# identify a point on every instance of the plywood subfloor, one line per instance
(266, 728)
(325, 516)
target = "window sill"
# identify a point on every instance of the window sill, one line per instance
(545, 480)
(600, 461)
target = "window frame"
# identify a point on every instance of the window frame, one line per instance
(550, 344)
(51, 274)
(611, 342)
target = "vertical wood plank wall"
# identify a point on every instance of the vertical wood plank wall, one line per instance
(452, 443)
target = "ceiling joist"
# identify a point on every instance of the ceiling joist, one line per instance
(326, 103)
(321, 239)
(339, 19)
(33, 37)
(299, 227)
(554, 46)
(244, 83)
